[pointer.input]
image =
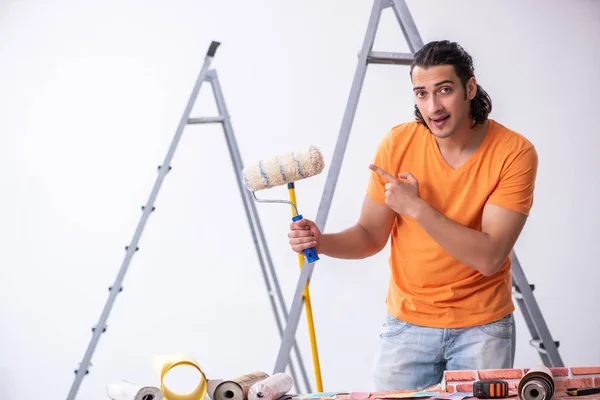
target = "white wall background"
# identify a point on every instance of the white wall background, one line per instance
(90, 96)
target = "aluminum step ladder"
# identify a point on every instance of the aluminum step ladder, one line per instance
(540, 334)
(541, 337)
(266, 263)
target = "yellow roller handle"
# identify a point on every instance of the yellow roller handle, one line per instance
(309, 314)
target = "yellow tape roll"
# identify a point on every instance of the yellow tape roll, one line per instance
(170, 362)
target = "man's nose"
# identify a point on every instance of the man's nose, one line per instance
(434, 106)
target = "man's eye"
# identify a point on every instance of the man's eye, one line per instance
(445, 90)
(421, 94)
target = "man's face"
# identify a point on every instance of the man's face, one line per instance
(441, 100)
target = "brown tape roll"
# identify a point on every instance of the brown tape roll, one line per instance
(537, 384)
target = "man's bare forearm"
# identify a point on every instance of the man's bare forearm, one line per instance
(352, 243)
(469, 246)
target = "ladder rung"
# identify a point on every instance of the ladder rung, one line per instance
(531, 286)
(205, 120)
(517, 293)
(87, 371)
(537, 343)
(381, 57)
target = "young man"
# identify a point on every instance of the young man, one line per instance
(453, 189)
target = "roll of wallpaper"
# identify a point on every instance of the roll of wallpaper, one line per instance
(164, 363)
(237, 388)
(212, 385)
(125, 390)
(537, 384)
(271, 388)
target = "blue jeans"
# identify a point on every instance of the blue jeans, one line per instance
(414, 357)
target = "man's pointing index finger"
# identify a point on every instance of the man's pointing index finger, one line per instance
(384, 174)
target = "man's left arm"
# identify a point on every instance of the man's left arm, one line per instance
(503, 219)
(484, 250)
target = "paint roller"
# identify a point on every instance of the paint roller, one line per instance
(285, 169)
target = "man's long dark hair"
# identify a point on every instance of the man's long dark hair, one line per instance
(445, 52)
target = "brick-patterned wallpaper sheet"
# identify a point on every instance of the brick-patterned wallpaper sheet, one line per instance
(574, 377)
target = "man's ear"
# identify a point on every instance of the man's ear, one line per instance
(471, 88)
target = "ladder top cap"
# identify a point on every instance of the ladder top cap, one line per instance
(212, 49)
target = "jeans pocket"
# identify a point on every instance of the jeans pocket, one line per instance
(393, 327)
(502, 328)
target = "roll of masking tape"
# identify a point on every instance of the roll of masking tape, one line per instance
(172, 361)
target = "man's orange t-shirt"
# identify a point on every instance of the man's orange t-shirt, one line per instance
(428, 286)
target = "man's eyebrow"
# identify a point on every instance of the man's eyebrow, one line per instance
(437, 84)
